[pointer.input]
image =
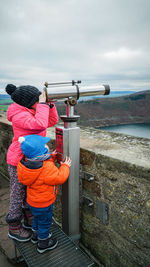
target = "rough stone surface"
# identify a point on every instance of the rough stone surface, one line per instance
(7, 250)
(6, 135)
(120, 165)
(6, 244)
(130, 149)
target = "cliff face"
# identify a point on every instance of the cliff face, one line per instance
(134, 108)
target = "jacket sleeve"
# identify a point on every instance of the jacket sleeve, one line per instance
(39, 121)
(53, 116)
(57, 176)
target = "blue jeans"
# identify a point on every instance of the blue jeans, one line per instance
(42, 219)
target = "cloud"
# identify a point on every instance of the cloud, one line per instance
(95, 41)
(123, 54)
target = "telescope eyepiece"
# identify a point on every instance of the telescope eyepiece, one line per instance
(107, 89)
(46, 84)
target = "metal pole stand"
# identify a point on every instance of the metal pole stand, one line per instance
(68, 144)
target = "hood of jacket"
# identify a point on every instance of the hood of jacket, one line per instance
(29, 171)
(14, 109)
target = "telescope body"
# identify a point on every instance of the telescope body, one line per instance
(75, 91)
(68, 144)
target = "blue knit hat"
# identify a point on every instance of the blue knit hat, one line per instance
(33, 145)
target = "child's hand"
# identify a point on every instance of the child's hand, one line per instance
(42, 97)
(67, 161)
(54, 153)
(49, 101)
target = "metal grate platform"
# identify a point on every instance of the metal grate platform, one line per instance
(65, 254)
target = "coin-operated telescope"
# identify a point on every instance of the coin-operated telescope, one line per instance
(68, 144)
(72, 91)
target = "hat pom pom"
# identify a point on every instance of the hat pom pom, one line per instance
(10, 88)
(21, 139)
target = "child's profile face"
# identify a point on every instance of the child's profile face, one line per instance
(47, 147)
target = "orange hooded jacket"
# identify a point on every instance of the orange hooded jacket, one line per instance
(42, 179)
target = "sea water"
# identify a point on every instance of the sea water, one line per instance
(139, 129)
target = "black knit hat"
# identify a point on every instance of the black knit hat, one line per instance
(25, 95)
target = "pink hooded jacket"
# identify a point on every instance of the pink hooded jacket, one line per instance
(28, 121)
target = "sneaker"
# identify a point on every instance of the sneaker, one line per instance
(20, 234)
(34, 238)
(47, 244)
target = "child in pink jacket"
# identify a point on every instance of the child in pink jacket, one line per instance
(29, 114)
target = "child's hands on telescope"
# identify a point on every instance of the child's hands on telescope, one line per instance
(67, 161)
(50, 103)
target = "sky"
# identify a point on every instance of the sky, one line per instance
(97, 42)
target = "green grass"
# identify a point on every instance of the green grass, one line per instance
(4, 107)
(3, 101)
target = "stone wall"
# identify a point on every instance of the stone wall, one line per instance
(6, 135)
(115, 206)
(122, 237)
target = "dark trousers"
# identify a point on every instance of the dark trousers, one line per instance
(42, 219)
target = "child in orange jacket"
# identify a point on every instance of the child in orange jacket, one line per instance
(38, 171)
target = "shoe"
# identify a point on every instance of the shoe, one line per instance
(26, 225)
(20, 234)
(16, 231)
(46, 244)
(34, 238)
(28, 218)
